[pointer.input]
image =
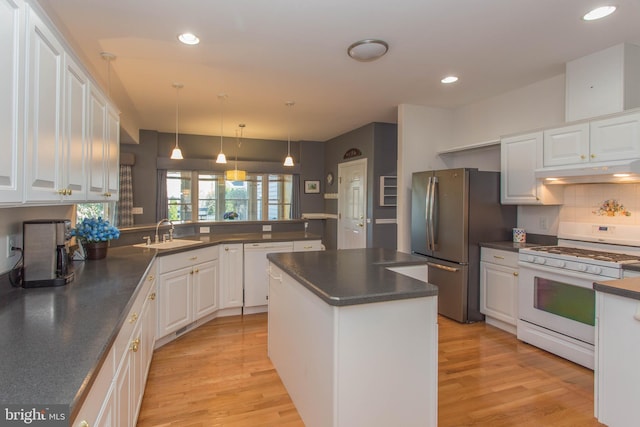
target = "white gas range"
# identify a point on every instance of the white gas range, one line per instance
(556, 301)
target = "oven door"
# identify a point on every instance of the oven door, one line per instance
(562, 301)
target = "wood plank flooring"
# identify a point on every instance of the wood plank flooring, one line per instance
(220, 375)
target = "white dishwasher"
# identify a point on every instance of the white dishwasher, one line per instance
(256, 275)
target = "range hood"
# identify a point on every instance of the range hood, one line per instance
(623, 171)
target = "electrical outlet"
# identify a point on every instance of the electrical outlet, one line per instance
(12, 241)
(266, 227)
(543, 223)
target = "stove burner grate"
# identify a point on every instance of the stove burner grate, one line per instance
(588, 253)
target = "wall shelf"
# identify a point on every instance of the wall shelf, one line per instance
(388, 190)
(477, 146)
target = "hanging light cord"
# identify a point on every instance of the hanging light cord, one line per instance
(289, 104)
(177, 92)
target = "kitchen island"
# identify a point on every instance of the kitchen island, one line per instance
(354, 343)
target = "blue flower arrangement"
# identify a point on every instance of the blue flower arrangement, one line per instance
(92, 230)
(230, 215)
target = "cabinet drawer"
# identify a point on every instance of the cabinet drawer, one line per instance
(307, 245)
(500, 257)
(133, 317)
(187, 259)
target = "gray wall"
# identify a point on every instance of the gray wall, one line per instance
(200, 150)
(378, 144)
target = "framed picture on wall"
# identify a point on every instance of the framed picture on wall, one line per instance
(311, 187)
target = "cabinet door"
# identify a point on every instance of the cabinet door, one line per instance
(618, 350)
(231, 275)
(11, 102)
(96, 139)
(521, 155)
(174, 295)
(124, 384)
(74, 146)
(566, 146)
(617, 138)
(44, 110)
(205, 288)
(499, 292)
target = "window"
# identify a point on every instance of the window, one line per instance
(261, 197)
(95, 210)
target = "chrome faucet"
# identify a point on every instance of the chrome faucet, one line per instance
(157, 238)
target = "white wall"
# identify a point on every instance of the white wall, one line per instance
(11, 224)
(422, 131)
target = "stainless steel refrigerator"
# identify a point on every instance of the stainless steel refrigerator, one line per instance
(452, 211)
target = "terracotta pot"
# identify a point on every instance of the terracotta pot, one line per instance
(96, 250)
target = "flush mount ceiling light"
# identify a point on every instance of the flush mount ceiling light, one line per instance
(188, 38)
(176, 154)
(221, 157)
(599, 13)
(288, 161)
(367, 50)
(449, 79)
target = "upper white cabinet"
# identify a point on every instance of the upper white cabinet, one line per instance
(602, 83)
(566, 145)
(604, 140)
(11, 102)
(521, 155)
(615, 138)
(104, 145)
(45, 60)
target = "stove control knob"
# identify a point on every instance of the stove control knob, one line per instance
(594, 269)
(559, 263)
(539, 260)
(582, 267)
(530, 258)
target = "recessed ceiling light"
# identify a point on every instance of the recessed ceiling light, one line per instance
(599, 12)
(449, 79)
(188, 38)
(367, 50)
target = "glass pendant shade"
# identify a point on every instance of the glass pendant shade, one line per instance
(221, 158)
(288, 161)
(235, 175)
(176, 154)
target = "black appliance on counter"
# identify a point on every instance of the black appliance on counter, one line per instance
(451, 212)
(46, 253)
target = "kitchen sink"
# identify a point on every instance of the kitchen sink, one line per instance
(170, 244)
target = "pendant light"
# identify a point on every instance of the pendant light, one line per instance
(235, 174)
(221, 157)
(288, 161)
(176, 154)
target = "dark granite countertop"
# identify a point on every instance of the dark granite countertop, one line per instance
(354, 276)
(634, 266)
(55, 339)
(507, 245)
(629, 288)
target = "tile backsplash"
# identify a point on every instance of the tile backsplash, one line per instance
(610, 203)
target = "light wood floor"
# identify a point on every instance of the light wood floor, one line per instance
(220, 375)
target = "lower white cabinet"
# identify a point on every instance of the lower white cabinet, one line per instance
(617, 377)
(499, 288)
(116, 394)
(231, 275)
(187, 288)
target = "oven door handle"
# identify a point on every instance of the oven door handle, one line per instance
(562, 272)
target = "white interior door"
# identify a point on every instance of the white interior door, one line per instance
(352, 206)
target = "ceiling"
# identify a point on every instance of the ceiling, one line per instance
(265, 53)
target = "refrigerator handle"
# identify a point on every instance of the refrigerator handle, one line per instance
(443, 267)
(434, 214)
(427, 213)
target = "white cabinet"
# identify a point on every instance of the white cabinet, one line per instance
(256, 276)
(617, 377)
(604, 140)
(116, 394)
(12, 100)
(187, 288)
(566, 145)
(231, 275)
(103, 138)
(45, 59)
(307, 245)
(521, 155)
(499, 288)
(604, 82)
(615, 138)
